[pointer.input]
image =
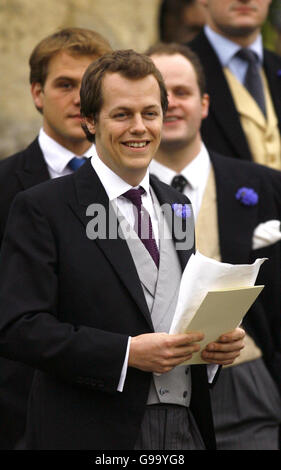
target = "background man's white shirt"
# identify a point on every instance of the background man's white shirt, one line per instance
(58, 157)
(196, 173)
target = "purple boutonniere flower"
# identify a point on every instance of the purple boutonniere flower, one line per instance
(182, 210)
(279, 73)
(247, 196)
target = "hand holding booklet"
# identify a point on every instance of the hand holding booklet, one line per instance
(213, 298)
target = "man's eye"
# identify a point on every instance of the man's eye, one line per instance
(151, 114)
(182, 93)
(120, 116)
(65, 86)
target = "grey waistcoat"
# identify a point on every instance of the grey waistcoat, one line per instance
(161, 289)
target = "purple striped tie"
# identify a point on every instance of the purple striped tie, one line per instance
(144, 225)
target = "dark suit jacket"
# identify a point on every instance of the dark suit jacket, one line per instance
(222, 131)
(69, 304)
(236, 225)
(18, 172)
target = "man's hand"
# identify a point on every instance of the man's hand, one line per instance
(226, 349)
(160, 352)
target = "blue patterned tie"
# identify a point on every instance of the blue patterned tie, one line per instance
(253, 80)
(76, 162)
(144, 221)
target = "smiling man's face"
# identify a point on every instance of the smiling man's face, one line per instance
(187, 107)
(128, 127)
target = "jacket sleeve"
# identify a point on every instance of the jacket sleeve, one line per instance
(30, 328)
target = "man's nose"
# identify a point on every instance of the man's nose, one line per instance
(172, 101)
(76, 97)
(138, 125)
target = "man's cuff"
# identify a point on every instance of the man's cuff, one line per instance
(124, 368)
(211, 371)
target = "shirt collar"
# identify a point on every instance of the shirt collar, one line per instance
(112, 183)
(199, 166)
(192, 172)
(226, 49)
(56, 156)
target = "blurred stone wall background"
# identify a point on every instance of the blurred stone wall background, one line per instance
(23, 23)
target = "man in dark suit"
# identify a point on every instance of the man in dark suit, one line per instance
(236, 126)
(80, 303)
(238, 205)
(57, 65)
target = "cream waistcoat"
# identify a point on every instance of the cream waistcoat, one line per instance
(262, 133)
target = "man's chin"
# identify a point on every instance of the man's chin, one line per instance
(172, 144)
(239, 31)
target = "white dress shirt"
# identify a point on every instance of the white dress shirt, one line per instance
(58, 157)
(114, 187)
(196, 173)
(226, 50)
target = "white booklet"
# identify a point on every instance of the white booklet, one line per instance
(214, 297)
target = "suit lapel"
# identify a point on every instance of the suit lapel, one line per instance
(236, 221)
(34, 169)
(90, 191)
(222, 106)
(170, 197)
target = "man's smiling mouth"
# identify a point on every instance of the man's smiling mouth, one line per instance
(136, 144)
(171, 119)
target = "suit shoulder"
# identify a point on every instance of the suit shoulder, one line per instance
(272, 57)
(241, 165)
(50, 189)
(246, 171)
(11, 162)
(17, 160)
(201, 45)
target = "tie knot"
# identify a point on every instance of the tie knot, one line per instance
(248, 55)
(76, 162)
(179, 182)
(134, 195)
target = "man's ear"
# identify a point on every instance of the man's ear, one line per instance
(37, 95)
(90, 124)
(203, 2)
(205, 105)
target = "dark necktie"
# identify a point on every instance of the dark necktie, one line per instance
(179, 182)
(143, 225)
(76, 162)
(253, 80)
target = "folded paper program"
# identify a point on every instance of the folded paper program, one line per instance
(202, 275)
(266, 234)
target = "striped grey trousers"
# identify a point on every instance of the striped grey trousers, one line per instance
(246, 408)
(168, 427)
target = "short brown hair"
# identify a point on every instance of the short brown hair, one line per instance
(74, 41)
(172, 48)
(129, 64)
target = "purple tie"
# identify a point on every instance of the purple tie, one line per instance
(144, 225)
